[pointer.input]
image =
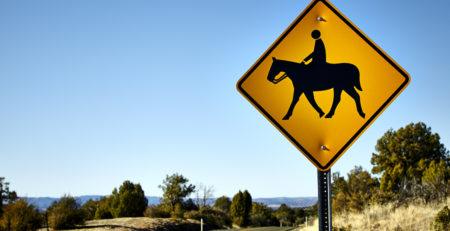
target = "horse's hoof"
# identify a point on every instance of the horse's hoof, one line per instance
(329, 116)
(286, 118)
(363, 115)
(321, 114)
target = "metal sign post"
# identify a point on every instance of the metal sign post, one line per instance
(324, 183)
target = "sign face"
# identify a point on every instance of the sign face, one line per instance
(322, 83)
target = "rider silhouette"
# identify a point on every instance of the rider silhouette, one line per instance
(318, 76)
(318, 56)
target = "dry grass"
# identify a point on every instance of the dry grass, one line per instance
(312, 226)
(415, 217)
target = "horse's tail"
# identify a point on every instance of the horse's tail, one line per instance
(357, 82)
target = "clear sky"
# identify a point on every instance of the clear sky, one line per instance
(93, 93)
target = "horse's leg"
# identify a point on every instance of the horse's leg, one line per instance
(310, 96)
(352, 92)
(294, 101)
(336, 100)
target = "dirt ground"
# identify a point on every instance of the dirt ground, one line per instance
(154, 224)
(139, 224)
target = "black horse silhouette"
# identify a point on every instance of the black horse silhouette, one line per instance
(309, 78)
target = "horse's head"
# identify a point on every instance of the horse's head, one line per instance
(290, 69)
(274, 71)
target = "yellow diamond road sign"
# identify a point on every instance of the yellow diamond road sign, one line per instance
(322, 83)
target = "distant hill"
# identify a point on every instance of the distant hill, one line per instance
(44, 202)
(295, 202)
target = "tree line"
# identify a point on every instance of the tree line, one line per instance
(410, 164)
(129, 201)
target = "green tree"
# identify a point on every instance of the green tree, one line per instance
(178, 211)
(103, 209)
(339, 192)
(436, 181)
(65, 213)
(361, 188)
(129, 201)
(215, 218)
(189, 205)
(240, 208)
(248, 207)
(299, 215)
(403, 155)
(6, 196)
(285, 215)
(223, 203)
(261, 215)
(175, 189)
(20, 216)
(89, 208)
(237, 209)
(353, 193)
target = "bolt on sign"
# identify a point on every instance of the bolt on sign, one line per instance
(322, 83)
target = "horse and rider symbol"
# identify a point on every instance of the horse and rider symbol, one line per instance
(318, 75)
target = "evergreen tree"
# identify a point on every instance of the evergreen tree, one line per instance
(436, 181)
(248, 207)
(285, 215)
(261, 215)
(129, 201)
(6, 195)
(89, 208)
(189, 205)
(175, 189)
(103, 209)
(240, 208)
(20, 216)
(178, 211)
(404, 155)
(237, 209)
(223, 203)
(65, 213)
(353, 193)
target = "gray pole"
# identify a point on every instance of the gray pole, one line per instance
(324, 183)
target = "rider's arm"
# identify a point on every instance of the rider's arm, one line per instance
(308, 57)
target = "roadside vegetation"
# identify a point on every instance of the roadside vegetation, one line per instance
(407, 189)
(390, 216)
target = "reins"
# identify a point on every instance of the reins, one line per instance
(275, 81)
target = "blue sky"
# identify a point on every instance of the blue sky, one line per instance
(93, 93)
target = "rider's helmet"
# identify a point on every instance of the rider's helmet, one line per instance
(315, 34)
